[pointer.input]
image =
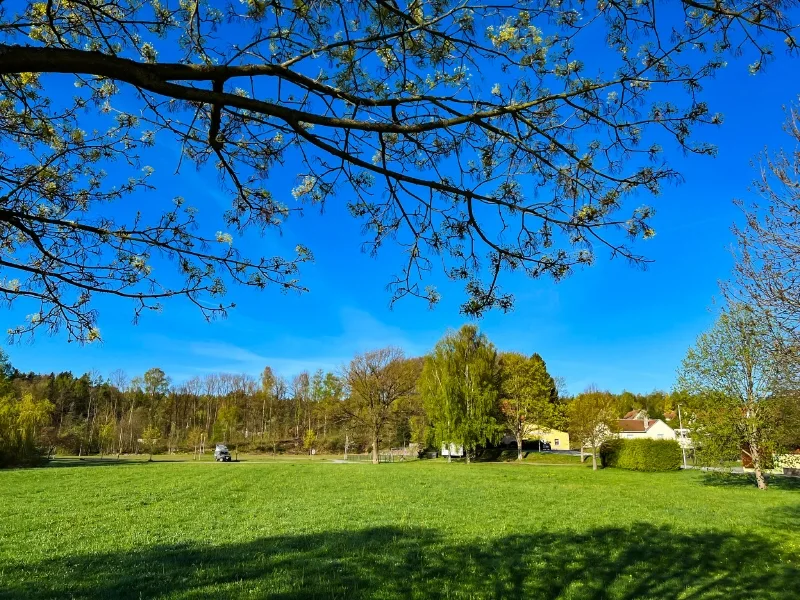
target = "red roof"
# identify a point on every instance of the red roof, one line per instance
(635, 425)
(632, 414)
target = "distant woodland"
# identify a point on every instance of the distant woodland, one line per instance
(122, 414)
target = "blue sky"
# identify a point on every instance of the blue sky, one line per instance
(610, 325)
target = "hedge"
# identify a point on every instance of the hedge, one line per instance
(641, 455)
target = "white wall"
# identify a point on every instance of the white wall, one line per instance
(659, 431)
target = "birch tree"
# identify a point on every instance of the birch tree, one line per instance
(767, 254)
(739, 370)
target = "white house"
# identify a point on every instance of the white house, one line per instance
(654, 429)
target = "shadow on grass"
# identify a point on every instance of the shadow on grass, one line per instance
(96, 461)
(748, 480)
(387, 562)
(60, 463)
(785, 518)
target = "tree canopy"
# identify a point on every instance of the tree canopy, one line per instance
(593, 419)
(528, 393)
(768, 244)
(482, 137)
(377, 382)
(460, 384)
(739, 374)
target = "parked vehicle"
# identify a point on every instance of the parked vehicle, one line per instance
(221, 453)
(535, 445)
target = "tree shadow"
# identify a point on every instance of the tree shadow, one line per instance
(748, 480)
(112, 461)
(785, 518)
(70, 462)
(642, 561)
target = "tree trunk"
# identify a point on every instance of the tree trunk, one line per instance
(263, 418)
(466, 453)
(755, 455)
(89, 423)
(594, 459)
(130, 426)
(519, 445)
(374, 448)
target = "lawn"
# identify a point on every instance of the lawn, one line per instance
(311, 529)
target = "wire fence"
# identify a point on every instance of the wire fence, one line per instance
(390, 457)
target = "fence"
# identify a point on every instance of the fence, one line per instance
(382, 458)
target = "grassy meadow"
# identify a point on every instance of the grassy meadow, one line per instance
(299, 528)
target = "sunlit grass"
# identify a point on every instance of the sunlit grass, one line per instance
(303, 527)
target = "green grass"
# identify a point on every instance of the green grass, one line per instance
(548, 459)
(295, 529)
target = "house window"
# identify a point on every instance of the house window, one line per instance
(629, 435)
(556, 442)
(660, 436)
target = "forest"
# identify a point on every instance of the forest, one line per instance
(382, 399)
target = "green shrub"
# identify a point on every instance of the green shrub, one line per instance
(641, 455)
(609, 452)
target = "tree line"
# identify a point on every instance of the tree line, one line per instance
(464, 392)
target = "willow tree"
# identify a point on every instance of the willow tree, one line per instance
(20, 420)
(460, 385)
(481, 136)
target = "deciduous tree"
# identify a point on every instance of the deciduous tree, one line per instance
(150, 436)
(528, 393)
(529, 167)
(460, 384)
(768, 245)
(309, 439)
(377, 380)
(739, 371)
(227, 419)
(105, 437)
(20, 420)
(592, 419)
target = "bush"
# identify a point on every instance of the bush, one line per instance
(609, 452)
(641, 455)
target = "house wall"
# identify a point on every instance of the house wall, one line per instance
(659, 431)
(558, 440)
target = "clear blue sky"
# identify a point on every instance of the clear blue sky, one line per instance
(610, 325)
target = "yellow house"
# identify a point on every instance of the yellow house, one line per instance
(558, 440)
